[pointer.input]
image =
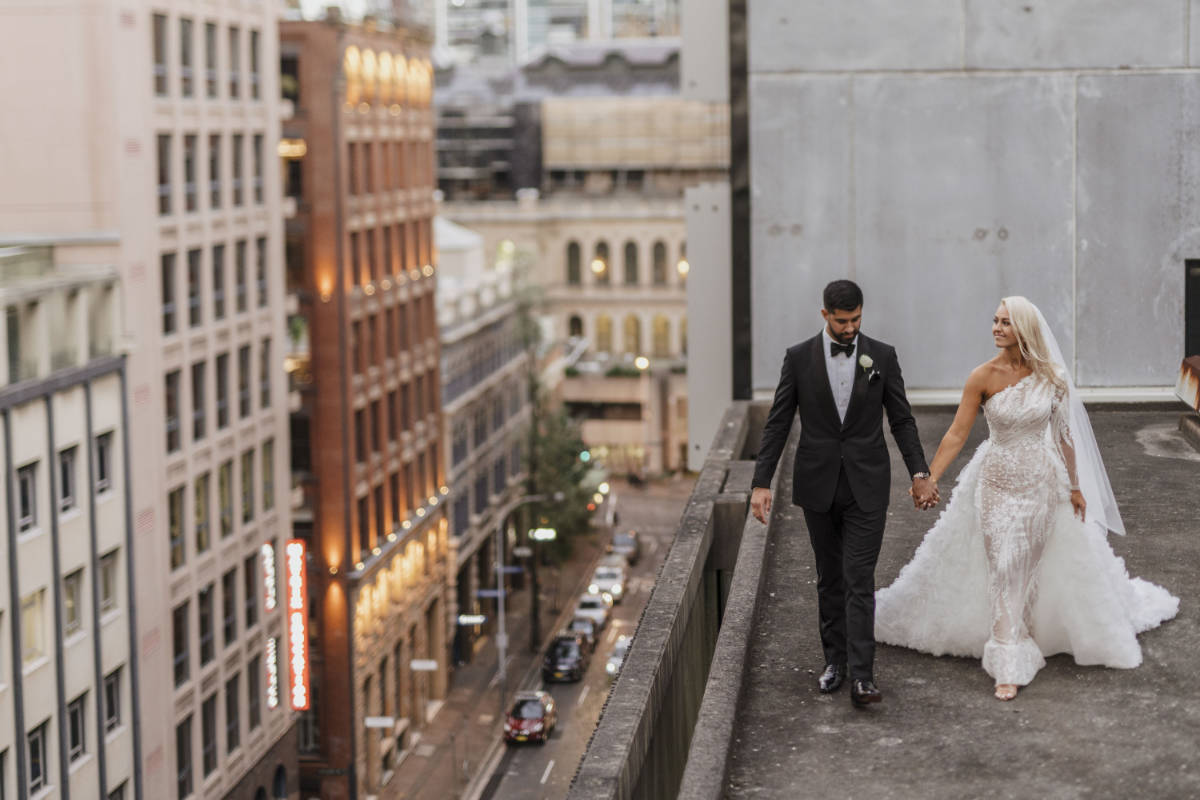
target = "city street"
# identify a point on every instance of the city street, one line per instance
(542, 772)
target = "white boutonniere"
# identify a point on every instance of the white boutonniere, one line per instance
(866, 362)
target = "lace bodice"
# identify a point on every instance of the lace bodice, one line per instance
(1024, 421)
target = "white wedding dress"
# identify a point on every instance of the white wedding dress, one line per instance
(1008, 573)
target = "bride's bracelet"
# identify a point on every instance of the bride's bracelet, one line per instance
(1074, 488)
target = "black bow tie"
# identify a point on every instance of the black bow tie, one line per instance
(846, 350)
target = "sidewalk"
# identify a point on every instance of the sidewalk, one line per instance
(467, 728)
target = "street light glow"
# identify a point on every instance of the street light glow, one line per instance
(641, 362)
(543, 534)
(603, 487)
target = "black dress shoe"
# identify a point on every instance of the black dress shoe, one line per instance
(864, 692)
(831, 679)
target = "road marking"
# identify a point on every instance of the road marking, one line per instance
(582, 696)
(612, 635)
(652, 546)
(550, 766)
(495, 681)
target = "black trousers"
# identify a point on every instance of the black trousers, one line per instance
(846, 540)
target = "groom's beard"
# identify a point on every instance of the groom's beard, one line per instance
(844, 338)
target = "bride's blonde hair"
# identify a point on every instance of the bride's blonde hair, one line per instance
(1024, 318)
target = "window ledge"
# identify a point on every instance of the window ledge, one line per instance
(83, 760)
(28, 534)
(33, 666)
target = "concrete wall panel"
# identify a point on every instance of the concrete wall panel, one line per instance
(800, 131)
(832, 35)
(962, 191)
(1025, 34)
(1138, 179)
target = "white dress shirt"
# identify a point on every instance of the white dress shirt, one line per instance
(841, 373)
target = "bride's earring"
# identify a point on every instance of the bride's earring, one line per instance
(1005, 691)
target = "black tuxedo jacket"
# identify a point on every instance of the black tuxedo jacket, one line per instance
(827, 444)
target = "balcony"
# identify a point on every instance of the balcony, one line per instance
(718, 696)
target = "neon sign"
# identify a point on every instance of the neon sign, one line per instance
(272, 673)
(270, 594)
(297, 622)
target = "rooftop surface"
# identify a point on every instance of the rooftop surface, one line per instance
(1075, 732)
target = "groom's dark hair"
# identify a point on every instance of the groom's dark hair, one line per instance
(843, 296)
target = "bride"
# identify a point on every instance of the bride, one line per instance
(1018, 566)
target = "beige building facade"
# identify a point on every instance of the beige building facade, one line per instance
(162, 138)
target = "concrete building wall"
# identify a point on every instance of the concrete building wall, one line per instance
(946, 154)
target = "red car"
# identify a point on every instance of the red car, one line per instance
(532, 718)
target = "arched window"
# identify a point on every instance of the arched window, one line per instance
(633, 335)
(280, 788)
(604, 334)
(662, 337)
(261, 794)
(574, 325)
(631, 264)
(683, 267)
(574, 270)
(602, 264)
(683, 335)
(660, 264)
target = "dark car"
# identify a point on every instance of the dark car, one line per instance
(567, 659)
(532, 718)
(626, 543)
(587, 627)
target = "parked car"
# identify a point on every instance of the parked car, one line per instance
(567, 659)
(617, 659)
(608, 580)
(594, 607)
(532, 718)
(614, 560)
(628, 544)
(587, 626)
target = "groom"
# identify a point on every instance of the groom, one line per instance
(840, 381)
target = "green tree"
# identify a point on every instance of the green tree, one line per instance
(556, 467)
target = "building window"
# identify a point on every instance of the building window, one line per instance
(229, 606)
(185, 56)
(376, 428)
(67, 493)
(233, 720)
(225, 497)
(254, 59)
(104, 443)
(659, 275)
(210, 59)
(72, 589)
(604, 339)
(352, 170)
(661, 333)
(459, 446)
(574, 325)
(257, 147)
(204, 603)
(391, 416)
(193, 279)
(481, 493)
(631, 264)
(214, 170)
(601, 264)
(33, 638)
(189, 172)
(199, 404)
(264, 374)
(239, 267)
(168, 292)
(364, 529)
(244, 381)
(160, 55)
(368, 174)
(268, 475)
(164, 174)
(76, 728)
(117, 793)
(218, 281)
(171, 388)
(175, 527)
(202, 505)
(238, 199)
(289, 79)
(181, 644)
(208, 733)
(633, 335)
(222, 391)
(235, 65)
(39, 767)
(108, 580)
(250, 581)
(253, 687)
(247, 486)
(112, 700)
(27, 497)
(360, 437)
(183, 758)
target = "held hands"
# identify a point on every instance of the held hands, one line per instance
(1079, 504)
(760, 503)
(924, 493)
